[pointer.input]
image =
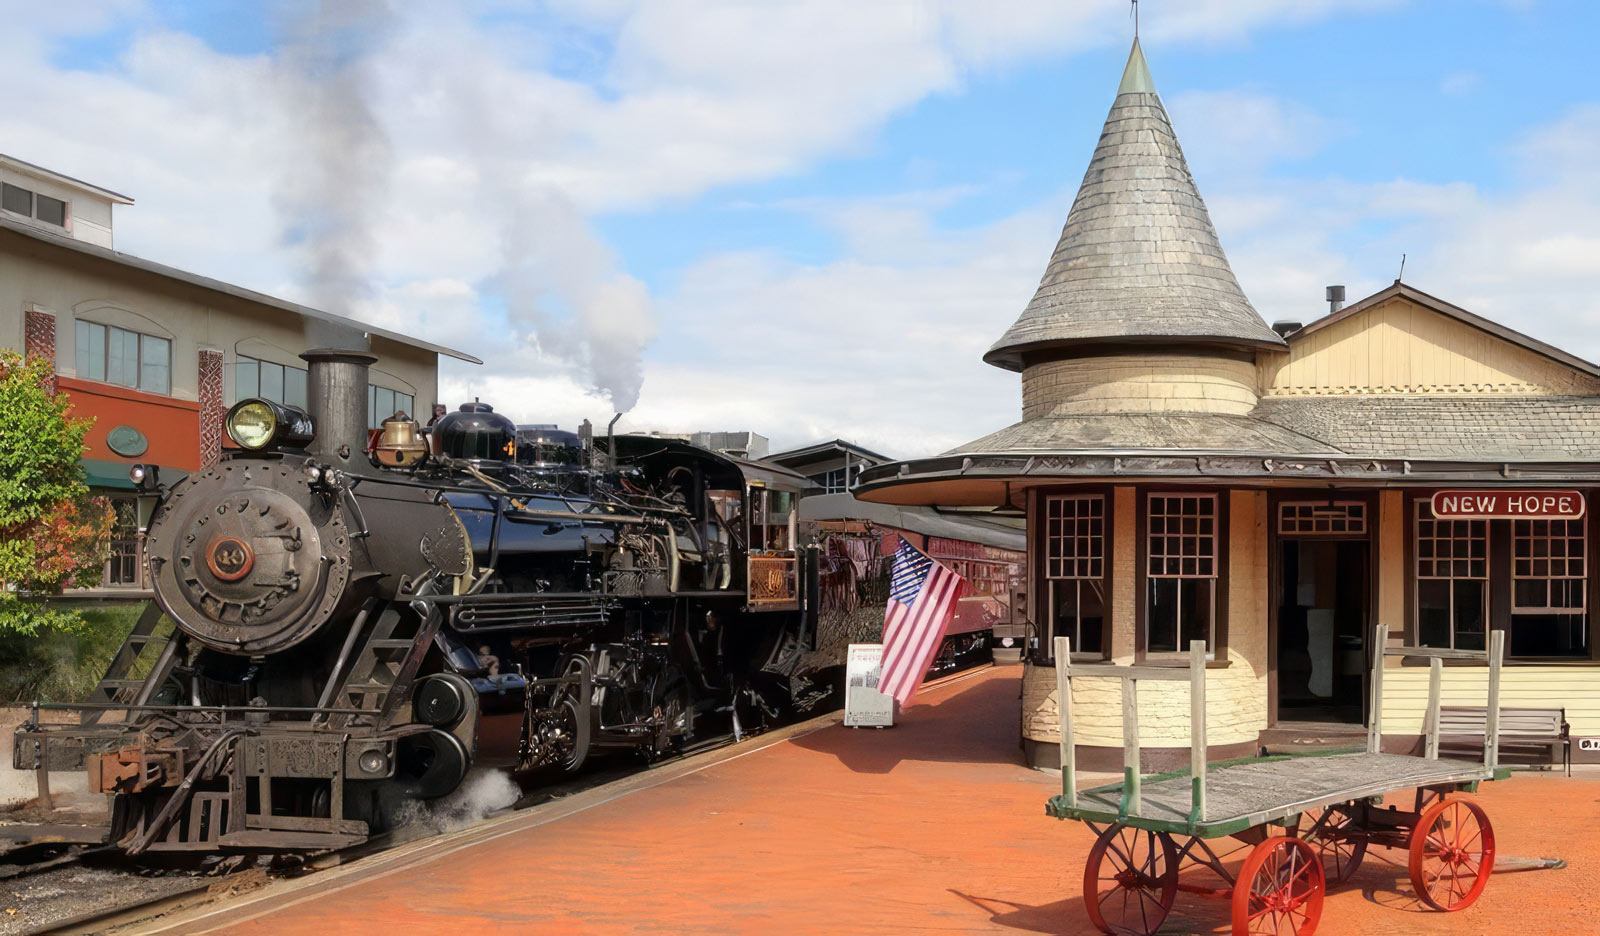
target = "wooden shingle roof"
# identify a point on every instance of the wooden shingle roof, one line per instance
(1138, 259)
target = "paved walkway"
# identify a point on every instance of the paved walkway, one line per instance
(934, 826)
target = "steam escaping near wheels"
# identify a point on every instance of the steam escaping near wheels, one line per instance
(483, 793)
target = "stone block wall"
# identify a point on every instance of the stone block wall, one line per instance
(1139, 383)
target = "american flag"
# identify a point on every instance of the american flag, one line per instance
(922, 597)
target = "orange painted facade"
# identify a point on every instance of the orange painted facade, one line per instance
(172, 426)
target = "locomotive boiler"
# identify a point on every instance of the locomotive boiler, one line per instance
(357, 622)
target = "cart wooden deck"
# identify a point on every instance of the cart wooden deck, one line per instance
(1264, 791)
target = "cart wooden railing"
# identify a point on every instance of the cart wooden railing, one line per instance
(1131, 804)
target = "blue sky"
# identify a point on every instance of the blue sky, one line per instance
(810, 218)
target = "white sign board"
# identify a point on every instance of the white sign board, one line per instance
(1589, 744)
(864, 705)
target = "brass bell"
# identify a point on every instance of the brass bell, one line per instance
(400, 443)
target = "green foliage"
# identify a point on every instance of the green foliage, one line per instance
(63, 665)
(51, 531)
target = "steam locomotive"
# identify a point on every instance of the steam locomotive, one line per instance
(356, 625)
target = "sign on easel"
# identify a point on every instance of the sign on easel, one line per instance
(864, 705)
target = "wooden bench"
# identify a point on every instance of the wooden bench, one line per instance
(1534, 727)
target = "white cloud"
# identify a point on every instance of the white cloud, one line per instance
(498, 162)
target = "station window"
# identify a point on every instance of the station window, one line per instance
(383, 402)
(1075, 568)
(1312, 518)
(125, 358)
(1452, 568)
(1549, 588)
(1181, 572)
(280, 383)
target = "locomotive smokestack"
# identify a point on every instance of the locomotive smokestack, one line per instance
(336, 390)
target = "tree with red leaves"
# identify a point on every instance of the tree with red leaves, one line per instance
(52, 532)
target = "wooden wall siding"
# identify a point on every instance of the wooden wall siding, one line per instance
(1392, 562)
(1236, 695)
(1574, 688)
(1139, 383)
(1401, 347)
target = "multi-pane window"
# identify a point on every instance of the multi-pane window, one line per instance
(1311, 518)
(1452, 558)
(126, 358)
(26, 202)
(383, 402)
(840, 480)
(1549, 588)
(1075, 559)
(280, 383)
(1181, 571)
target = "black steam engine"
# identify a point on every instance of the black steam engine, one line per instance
(356, 625)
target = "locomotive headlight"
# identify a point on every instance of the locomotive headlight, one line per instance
(251, 424)
(257, 425)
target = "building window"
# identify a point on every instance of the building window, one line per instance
(839, 480)
(125, 358)
(1325, 518)
(771, 520)
(24, 202)
(1075, 568)
(124, 568)
(280, 383)
(1452, 558)
(383, 403)
(1181, 572)
(1549, 588)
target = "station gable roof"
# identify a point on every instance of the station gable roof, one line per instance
(1399, 290)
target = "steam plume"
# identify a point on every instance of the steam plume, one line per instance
(330, 193)
(558, 277)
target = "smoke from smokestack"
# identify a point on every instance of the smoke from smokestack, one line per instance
(559, 280)
(562, 280)
(330, 195)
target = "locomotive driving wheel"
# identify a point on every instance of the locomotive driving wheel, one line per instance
(556, 739)
(1452, 854)
(1130, 880)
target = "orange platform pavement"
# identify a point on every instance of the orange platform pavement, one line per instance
(934, 826)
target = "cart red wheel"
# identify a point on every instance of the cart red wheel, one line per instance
(1130, 880)
(1279, 890)
(1452, 854)
(1333, 832)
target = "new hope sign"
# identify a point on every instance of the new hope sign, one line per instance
(1508, 504)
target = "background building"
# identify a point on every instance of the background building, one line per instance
(834, 466)
(156, 355)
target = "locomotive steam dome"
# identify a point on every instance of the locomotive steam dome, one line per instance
(246, 560)
(476, 431)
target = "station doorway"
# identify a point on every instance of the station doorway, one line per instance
(1325, 590)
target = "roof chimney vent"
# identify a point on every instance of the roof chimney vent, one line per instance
(1335, 296)
(1284, 327)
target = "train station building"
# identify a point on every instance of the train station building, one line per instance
(1188, 472)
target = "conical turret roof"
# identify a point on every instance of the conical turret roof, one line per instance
(1138, 260)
